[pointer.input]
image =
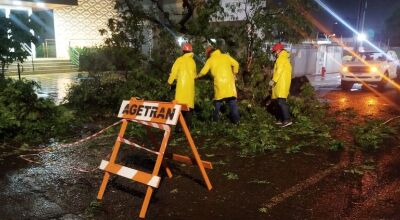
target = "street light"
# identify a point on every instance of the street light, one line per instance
(181, 40)
(361, 37)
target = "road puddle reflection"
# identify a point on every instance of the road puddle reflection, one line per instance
(365, 104)
(54, 86)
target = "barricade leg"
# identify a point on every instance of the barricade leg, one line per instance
(103, 186)
(167, 169)
(154, 142)
(188, 160)
(157, 166)
(113, 157)
(195, 152)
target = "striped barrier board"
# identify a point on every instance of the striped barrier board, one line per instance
(130, 173)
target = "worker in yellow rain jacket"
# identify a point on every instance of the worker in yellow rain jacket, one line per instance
(223, 69)
(184, 72)
(280, 84)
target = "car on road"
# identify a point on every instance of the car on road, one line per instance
(373, 68)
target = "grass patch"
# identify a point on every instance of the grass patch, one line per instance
(263, 210)
(231, 176)
(256, 181)
(371, 134)
(92, 209)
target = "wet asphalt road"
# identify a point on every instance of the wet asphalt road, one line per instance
(364, 100)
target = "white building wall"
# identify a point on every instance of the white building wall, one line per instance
(80, 25)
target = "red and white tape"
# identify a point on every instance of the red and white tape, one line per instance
(123, 140)
(89, 137)
(152, 124)
(59, 146)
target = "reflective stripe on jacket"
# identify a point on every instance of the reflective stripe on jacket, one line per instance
(282, 75)
(223, 69)
(184, 72)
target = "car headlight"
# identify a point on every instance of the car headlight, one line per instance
(373, 69)
(345, 69)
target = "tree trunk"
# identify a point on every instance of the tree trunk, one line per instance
(249, 56)
(246, 73)
(2, 74)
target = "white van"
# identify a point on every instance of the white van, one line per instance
(373, 68)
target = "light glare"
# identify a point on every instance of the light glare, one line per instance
(17, 3)
(41, 5)
(330, 11)
(180, 41)
(374, 69)
(361, 37)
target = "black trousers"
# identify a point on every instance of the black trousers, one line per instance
(282, 112)
(234, 110)
(187, 115)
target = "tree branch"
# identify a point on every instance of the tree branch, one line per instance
(164, 13)
(190, 9)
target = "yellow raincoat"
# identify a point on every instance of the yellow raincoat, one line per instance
(282, 75)
(184, 72)
(223, 69)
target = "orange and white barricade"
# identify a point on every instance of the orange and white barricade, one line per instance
(159, 115)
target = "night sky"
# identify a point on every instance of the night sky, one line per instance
(377, 12)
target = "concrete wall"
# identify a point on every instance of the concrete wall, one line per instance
(303, 59)
(308, 59)
(79, 25)
(333, 62)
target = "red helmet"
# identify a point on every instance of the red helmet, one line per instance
(187, 47)
(209, 50)
(277, 46)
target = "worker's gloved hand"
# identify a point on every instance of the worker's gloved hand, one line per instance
(272, 83)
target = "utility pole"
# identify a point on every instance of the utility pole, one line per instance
(362, 8)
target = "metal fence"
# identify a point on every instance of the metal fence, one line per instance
(47, 49)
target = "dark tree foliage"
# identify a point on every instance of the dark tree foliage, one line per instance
(245, 29)
(25, 118)
(124, 37)
(393, 28)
